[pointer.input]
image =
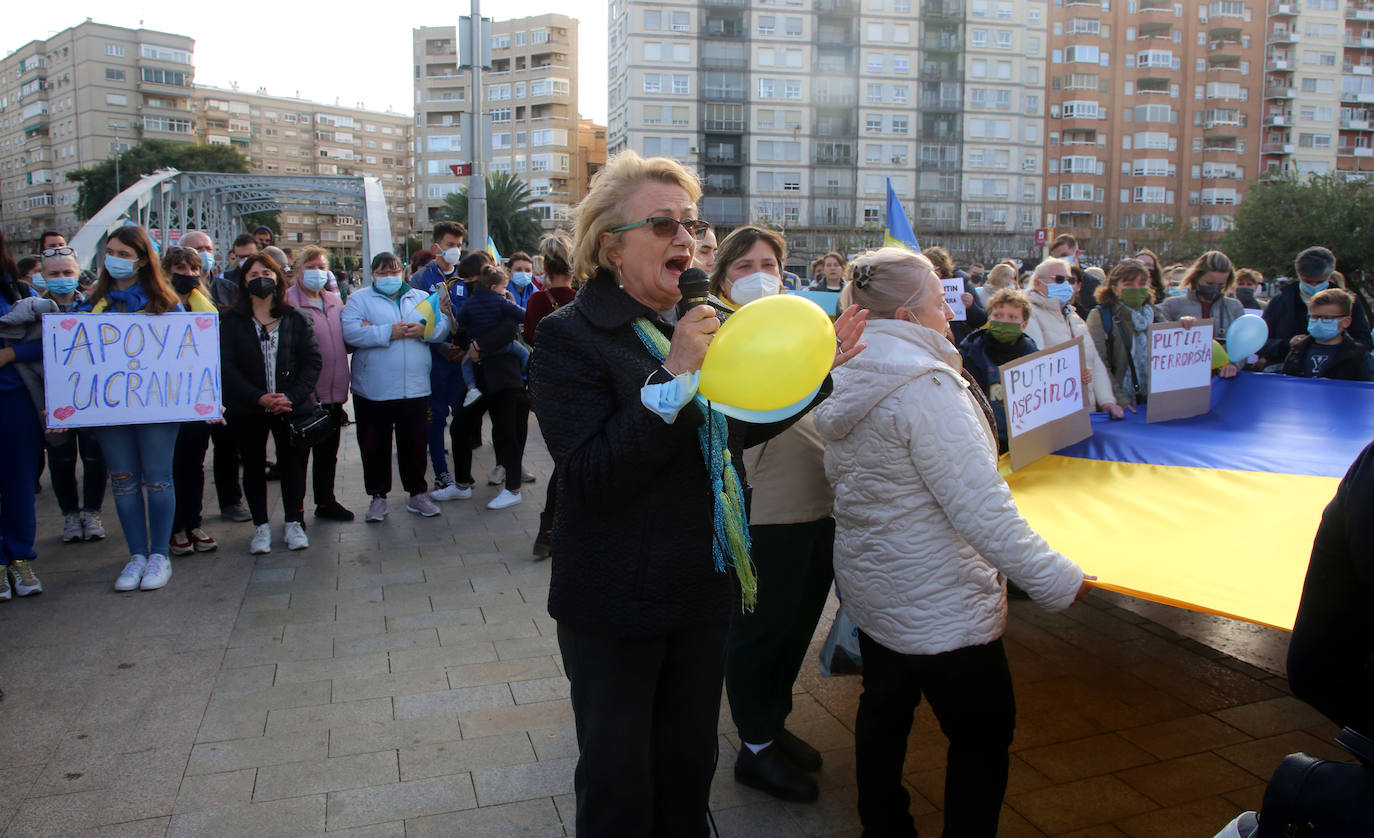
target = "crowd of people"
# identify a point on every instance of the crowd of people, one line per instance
(692, 552)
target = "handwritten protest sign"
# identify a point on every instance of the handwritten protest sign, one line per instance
(1045, 401)
(122, 369)
(954, 295)
(1180, 371)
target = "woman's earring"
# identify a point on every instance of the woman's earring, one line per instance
(620, 280)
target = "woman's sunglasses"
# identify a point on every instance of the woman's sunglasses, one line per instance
(665, 226)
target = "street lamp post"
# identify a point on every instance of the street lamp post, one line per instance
(115, 126)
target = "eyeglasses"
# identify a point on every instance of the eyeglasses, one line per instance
(1058, 278)
(665, 226)
(1316, 318)
(58, 251)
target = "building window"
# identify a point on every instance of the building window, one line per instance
(117, 50)
(114, 75)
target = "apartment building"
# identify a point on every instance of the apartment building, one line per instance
(283, 135)
(73, 100)
(591, 157)
(530, 94)
(1154, 113)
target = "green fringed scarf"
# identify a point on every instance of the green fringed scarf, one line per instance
(730, 546)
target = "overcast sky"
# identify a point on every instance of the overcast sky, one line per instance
(320, 51)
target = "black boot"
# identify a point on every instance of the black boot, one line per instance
(543, 543)
(771, 771)
(802, 755)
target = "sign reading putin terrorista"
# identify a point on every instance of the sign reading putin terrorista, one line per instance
(122, 369)
(1180, 371)
(1045, 401)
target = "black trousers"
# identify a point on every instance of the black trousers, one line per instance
(970, 691)
(188, 474)
(226, 466)
(765, 649)
(250, 432)
(510, 422)
(325, 458)
(376, 422)
(646, 711)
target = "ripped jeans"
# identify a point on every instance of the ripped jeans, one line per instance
(140, 461)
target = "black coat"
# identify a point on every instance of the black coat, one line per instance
(1331, 654)
(634, 518)
(983, 358)
(243, 371)
(1350, 363)
(1286, 315)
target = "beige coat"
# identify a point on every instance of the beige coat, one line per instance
(927, 532)
(787, 474)
(1051, 325)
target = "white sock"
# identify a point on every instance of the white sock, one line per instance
(756, 748)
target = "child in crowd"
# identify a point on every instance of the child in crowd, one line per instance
(1326, 351)
(484, 311)
(1002, 340)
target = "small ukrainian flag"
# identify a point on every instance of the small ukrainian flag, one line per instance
(429, 310)
(898, 232)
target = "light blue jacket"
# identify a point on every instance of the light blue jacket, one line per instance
(385, 369)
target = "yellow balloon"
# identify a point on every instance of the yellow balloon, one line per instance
(1219, 357)
(770, 354)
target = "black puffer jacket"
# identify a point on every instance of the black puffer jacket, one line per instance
(244, 373)
(635, 518)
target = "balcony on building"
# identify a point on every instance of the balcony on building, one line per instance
(1364, 68)
(1278, 118)
(933, 99)
(724, 55)
(836, 92)
(1289, 9)
(835, 33)
(1359, 39)
(1278, 61)
(1144, 7)
(832, 213)
(940, 71)
(723, 87)
(951, 10)
(1281, 34)
(832, 183)
(1360, 11)
(724, 150)
(1155, 29)
(722, 118)
(832, 123)
(1223, 63)
(1276, 148)
(836, 153)
(938, 156)
(1355, 119)
(726, 23)
(837, 7)
(1352, 145)
(941, 39)
(1079, 137)
(441, 70)
(835, 61)
(722, 182)
(439, 46)
(1278, 89)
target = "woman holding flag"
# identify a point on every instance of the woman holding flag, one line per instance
(387, 323)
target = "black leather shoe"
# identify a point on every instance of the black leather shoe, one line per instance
(802, 755)
(772, 772)
(333, 511)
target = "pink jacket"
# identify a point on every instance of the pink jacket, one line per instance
(333, 384)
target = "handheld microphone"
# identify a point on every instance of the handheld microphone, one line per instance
(695, 289)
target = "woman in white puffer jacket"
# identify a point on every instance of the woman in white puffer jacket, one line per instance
(926, 537)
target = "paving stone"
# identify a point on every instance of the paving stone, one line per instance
(1189, 735)
(1088, 757)
(524, 782)
(467, 755)
(1261, 756)
(274, 698)
(392, 829)
(402, 733)
(397, 577)
(1080, 804)
(415, 799)
(459, 655)
(501, 672)
(545, 714)
(445, 702)
(527, 819)
(531, 647)
(1201, 817)
(401, 683)
(204, 792)
(541, 689)
(319, 717)
(211, 757)
(437, 619)
(285, 818)
(1186, 779)
(353, 666)
(513, 630)
(229, 721)
(1267, 718)
(324, 775)
(387, 641)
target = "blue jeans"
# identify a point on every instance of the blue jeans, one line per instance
(23, 435)
(445, 396)
(140, 461)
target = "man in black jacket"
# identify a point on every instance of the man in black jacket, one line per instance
(225, 290)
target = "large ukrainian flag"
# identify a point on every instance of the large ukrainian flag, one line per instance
(1215, 513)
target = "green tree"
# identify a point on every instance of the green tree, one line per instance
(1279, 218)
(97, 182)
(511, 223)
(1174, 240)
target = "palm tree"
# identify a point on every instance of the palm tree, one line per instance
(511, 223)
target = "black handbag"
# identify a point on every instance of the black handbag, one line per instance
(1322, 798)
(310, 429)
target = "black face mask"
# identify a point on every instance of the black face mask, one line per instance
(1247, 297)
(184, 284)
(262, 287)
(1207, 292)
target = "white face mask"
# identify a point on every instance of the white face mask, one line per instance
(746, 289)
(451, 256)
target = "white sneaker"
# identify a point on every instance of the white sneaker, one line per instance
(421, 504)
(505, 499)
(71, 527)
(132, 574)
(452, 491)
(473, 395)
(262, 540)
(497, 476)
(295, 536)
(157, 573)
(91, 527)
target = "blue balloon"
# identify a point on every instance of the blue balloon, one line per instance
(764, 417)
(1245, 337)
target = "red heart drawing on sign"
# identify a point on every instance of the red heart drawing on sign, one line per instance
(203, 409)
(64, 412)
(69, 322)
(205, 322)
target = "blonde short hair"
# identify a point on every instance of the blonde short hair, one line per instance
(604, 207)
(1002, 275)
(885, 280)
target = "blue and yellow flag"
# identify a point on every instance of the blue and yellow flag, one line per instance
(491, 249)
(898, 232)
(1215, 513)
(428, 309)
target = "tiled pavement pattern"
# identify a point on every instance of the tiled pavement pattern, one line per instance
(403, 679)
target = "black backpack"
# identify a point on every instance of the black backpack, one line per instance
(1322, 798)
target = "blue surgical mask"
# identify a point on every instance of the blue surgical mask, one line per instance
(37, 281)
(1060, 291)
(1323, 329)
(119, 267)
(1310, 288)
(314, 278)
(207, 261)
(522, 279)
(387, 285)
(1176, 292)
(62, 285)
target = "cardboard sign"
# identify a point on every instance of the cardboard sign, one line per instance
(1180, 371)
(1046, 402)
(129, 369)
(954, 296)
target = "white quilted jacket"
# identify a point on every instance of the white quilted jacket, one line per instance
(926, 527)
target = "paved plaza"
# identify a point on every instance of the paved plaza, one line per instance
(403, 679)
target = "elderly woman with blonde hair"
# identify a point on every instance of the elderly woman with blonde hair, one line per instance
(927, 536)
(650, 543)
